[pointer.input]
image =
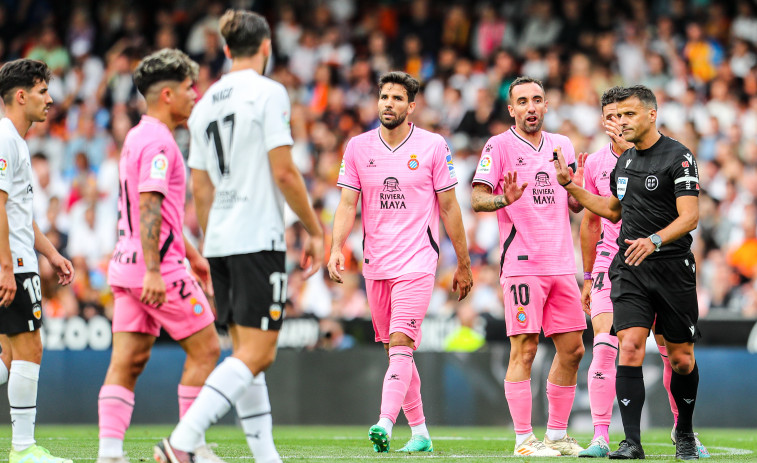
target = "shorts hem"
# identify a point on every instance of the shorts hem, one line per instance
(565, 330)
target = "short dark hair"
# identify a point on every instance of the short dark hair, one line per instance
(167, 64)
(644, 94)
(523, 80)
(611, 95)
(243, 31)
(410, 83)
(23, 73)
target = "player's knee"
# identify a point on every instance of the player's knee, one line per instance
(681, 363)
(573, 355)
(525, 355)
(135, 365)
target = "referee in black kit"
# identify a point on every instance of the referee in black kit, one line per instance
(655, 188)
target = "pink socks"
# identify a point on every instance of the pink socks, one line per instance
(397, 380)
(602, 382)
(518, 395)
(114, 406)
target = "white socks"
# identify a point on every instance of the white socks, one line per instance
(22, 397)
(110, 447)
(224, 387)
(254, 411)
(387, 424)
(556, 434)
(3, 374)
(420, 430)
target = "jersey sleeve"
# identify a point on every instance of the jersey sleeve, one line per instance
(613, 183)
(8, 156)
(276, 119)
(348, 175)
(589, 183)
(154, 168)
(489, 167)
(197, 159)
(685, 174)
(444, 175)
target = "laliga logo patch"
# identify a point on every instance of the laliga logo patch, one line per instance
(37, 311)
(341, 168)
(159, 167)
(3, 167)
(197, 308)
(651, 183)
(413, 163)
(622, 186)
(521, 315)
(484, 165)
(275, 312)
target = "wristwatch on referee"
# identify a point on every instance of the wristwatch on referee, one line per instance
(656, 240)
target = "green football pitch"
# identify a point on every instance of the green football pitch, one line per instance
(350, 443)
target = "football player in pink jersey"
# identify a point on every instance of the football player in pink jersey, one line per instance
(405, 179)
(151, 286)
(537, 264)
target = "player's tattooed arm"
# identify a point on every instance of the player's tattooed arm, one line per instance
(150, 221)
(482, 199)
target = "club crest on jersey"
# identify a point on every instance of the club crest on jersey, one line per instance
(275, 312)
(159, 167)
(197, 308)
(413, 163)
(521, 316)
(651, 182)
(622, 186)
(484, 165)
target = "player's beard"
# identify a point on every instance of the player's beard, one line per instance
(394, 123)
(532, 129)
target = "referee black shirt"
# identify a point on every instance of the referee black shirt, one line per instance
(647, 183)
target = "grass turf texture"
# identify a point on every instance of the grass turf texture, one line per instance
(350, 443)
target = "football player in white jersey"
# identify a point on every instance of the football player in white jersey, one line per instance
(242, 172)
(23, 88)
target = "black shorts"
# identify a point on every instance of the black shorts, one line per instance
(250, 289)
(25, 312)
(664, 289)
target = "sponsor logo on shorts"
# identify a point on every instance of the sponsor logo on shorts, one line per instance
(275, 312)
(197, 308)
(411, 323)
(413, 163)
(521, 315)
(37, 311)
(395, 377)
(20, 262)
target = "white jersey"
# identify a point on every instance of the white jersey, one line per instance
(233, 126)
(16, 180)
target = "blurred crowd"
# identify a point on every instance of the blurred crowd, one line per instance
(699, 56)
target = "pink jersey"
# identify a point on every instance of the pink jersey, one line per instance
(150, 161)
(400, 211)
(597, 171)
(534, 231)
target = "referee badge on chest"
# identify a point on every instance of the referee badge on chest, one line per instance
(622, 186)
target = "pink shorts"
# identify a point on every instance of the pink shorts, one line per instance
(185, 312)
(600, 294)
(399, 305)
(533, 303)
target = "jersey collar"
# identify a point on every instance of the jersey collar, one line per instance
(541, 143)
(409, 134)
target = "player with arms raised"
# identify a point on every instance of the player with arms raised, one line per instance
(537, 264)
